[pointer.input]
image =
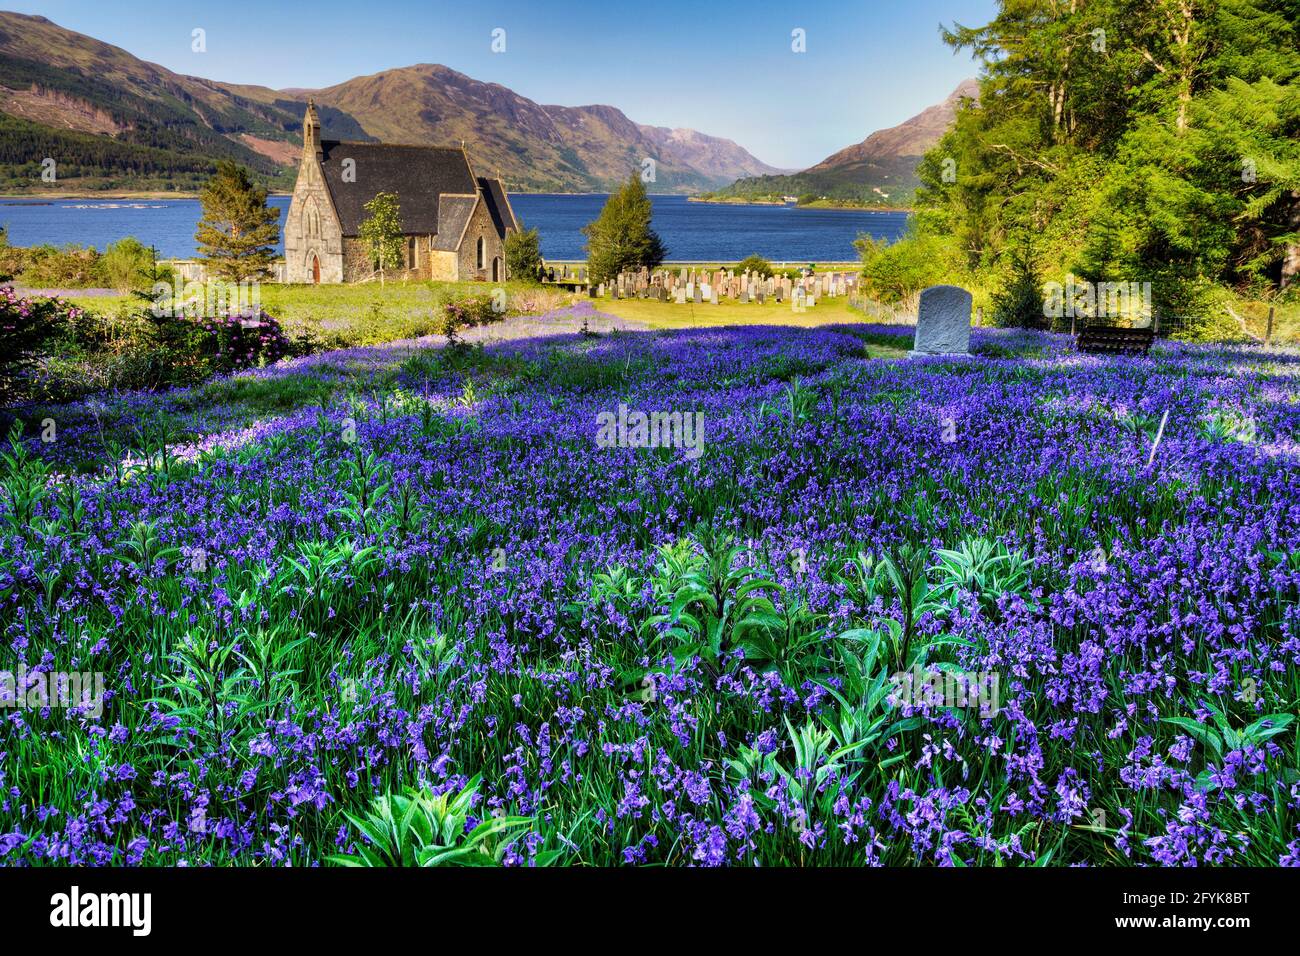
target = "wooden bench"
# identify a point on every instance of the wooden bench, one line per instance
(1108, 340)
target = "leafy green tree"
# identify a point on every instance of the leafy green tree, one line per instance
(621, 237)
(897, 272)
(1136, 140)
(524, 255)
(238, 231)
(126, 265)
(382, 232)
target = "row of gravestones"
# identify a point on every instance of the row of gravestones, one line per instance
(564, 273)
(688, 285)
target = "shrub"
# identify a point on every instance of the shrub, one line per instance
(12, 258)
(71, 267)
(126, 265)
(897, 272)
(524, 256)
(247, 340)
(26, 326)
(755, 264)
(468, 312)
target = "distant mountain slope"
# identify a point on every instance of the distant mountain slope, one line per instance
(111, 120)
(880, 170)
(535, 147)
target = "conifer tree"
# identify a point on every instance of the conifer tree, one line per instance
(238, 231)
(621, 237)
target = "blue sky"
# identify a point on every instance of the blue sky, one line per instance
(719, 66)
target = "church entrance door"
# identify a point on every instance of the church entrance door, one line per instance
(315, 270)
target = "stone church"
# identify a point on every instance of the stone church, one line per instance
(455, 223)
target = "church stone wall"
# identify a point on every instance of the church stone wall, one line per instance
(358, 265)
(480, 224)
(312, 229)
(443, 266)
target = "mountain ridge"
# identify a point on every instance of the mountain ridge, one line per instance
(115, 120)
(880, 170)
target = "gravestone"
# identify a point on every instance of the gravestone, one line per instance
(699, 297)
(681, 295)
(713, 295)
(943, 321)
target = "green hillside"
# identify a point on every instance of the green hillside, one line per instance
(894, 177)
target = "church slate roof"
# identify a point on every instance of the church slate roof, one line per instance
(419, 175)
(453, 215)
(502, 215)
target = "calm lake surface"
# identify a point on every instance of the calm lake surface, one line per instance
(691, 231)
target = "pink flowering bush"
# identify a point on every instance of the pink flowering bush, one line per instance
(26, 325)
(242, 340)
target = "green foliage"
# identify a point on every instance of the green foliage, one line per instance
(1137, 142)
(382, 232)
(755, 264)
(1019, 303)
(419, 828)
(238, 231)
(48, 267)
(26, 326)
(898, 271)
(524, 255)
(465, 312)
(127, 265)
(621, 237)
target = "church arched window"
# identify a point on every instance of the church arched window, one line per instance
(482, 252)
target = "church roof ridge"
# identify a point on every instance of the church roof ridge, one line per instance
(373, 144)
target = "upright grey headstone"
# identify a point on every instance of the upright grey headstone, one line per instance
(943, 321)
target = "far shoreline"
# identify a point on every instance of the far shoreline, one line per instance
(847, 207)
(38, 198)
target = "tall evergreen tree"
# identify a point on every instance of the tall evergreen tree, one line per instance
(238, 231)
(621, 237)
